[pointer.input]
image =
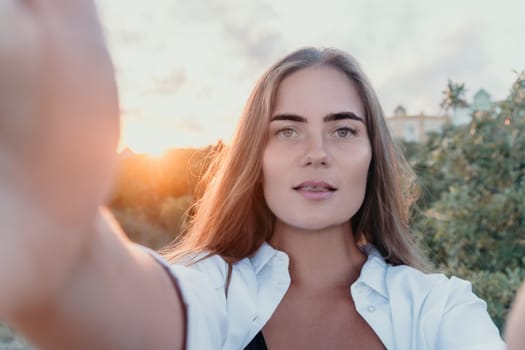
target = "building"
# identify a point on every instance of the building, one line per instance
(480, 102)
(414, 128)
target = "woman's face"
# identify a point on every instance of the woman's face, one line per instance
(316, 161)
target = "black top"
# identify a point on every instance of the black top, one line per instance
(257, 343)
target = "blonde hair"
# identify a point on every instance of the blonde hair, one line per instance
(231, 218)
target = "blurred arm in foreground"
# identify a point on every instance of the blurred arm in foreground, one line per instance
(79, 283)
(515, 327)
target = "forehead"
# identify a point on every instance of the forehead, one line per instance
(317, 91)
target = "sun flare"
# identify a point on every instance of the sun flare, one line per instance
(148, 137)
(156, 136)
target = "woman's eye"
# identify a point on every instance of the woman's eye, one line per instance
(345, 132)
(286, 133)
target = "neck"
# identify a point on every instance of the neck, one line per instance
(320, 259)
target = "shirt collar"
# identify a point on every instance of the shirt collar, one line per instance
(262, 256)
(373, 272)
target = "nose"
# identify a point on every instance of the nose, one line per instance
(316, 154)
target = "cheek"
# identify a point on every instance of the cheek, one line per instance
(362, 170)
(267, 175)
(273, 165)
(273, 180)
(357, 170)
(364, 176)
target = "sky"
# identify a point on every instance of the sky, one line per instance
(185, 68)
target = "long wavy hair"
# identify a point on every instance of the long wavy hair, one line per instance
(231, 217)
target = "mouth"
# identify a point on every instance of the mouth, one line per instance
(315, 186)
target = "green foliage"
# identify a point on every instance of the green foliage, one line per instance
(454, 96)
(472, 211)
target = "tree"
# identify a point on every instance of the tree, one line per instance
(473, 212)
(454, 96)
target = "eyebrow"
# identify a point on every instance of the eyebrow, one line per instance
(327, 118)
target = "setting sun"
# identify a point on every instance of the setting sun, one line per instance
(154, 137)
(145, 141)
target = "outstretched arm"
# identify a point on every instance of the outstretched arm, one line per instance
(79, 283)
(515, 326)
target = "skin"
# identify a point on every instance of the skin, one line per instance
(306, 143)
(514, 335)
(79, 283)
(318, 311)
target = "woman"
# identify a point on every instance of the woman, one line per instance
(299, 241)
(306, 214)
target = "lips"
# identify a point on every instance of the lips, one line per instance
(315, 186)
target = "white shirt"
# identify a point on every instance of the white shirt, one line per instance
(406, 308)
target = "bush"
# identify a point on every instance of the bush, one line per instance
(472, 212)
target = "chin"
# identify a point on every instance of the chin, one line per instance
(317, 225)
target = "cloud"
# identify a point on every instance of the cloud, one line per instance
(258, 46)
(186, 12)
(190, 124)
(461, 57)
(169, 85)
(179, 58)
(254, 35)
